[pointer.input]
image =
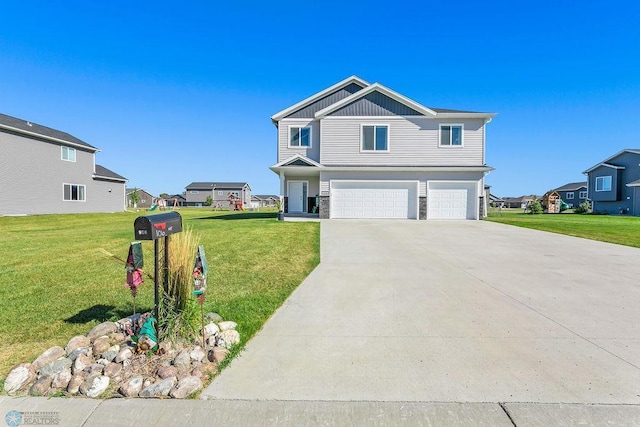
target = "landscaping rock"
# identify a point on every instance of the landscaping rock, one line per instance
(105, 328)
(159, 389)
(50, 355)
(211, 330)
(182, 360)
(124, 354)
(231, 338)
(118, 337)
(19, 377)
(95, 369)
(94, 385)
(197, 354)
(213, 317)
(41, 386)
(185, 387)
(76, 342)
(112, 369)
(81, 362)
(78, 351)
(132, 387)
(61, 379)
(75, 383)
(111, 354)
(227, 325)
(218, 354)
(167, 372)
(55, 367)
(100, 345)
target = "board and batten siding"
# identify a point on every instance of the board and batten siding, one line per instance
(285, 152)
(412, 141)
(421, 177)
(32, 175)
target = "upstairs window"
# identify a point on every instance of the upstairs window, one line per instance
(68, 154)
(570, 195)
(74, 192)
(451, 135)
(603, 183)
(582, 195)
(375, 138)
(299, 136)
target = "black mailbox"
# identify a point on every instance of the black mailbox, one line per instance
(156, 226)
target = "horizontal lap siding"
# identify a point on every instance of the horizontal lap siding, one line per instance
(413, 141)
(284, 152)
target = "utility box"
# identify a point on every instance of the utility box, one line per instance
(154, 227)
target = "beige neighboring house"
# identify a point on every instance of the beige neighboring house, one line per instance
(362, 150)
(47, 171)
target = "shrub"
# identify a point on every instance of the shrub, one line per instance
(582, 208)
(534, 207)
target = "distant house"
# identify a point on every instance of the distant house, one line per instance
(220, 192)
(573, 193)
(145, 199)
(47, 171)
(265, 200)
(614, 184)
(495, 201)
(518, 202)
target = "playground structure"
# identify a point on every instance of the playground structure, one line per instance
(162, 204)
(235, 203)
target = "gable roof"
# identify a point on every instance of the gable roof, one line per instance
(211, 185)
(104, 173)
(298, 160)
(606, 161)
(33, 129)
(313, 98)
(573, 186)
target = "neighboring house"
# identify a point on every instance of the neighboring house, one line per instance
(360, 150)
(145, 199)
(518, 202)
(265, 200)
(573, 193)
(47, 171)
(197, 192)
(495, 201)
(614, 184)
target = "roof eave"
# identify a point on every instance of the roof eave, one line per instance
(487, 116)
(50, 138)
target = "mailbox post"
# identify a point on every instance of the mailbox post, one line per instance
(155, 227)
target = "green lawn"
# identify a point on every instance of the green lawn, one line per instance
(57, 282)
(622, 230)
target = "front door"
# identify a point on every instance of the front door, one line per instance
(297, 196)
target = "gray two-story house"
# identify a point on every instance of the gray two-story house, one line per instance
(614, 184)
(361, 150)
(573, 193)
(220, 192)
(47, 171)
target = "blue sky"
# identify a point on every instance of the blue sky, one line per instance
(175, 92)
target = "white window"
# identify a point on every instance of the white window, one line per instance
(570, 195)
(603, 183)
(68, 154)
(299, 136)
(74, 192)
(375, 138)
(451, 135)
(194, 191)
(234, 194)
(582, 195)
(220, 193)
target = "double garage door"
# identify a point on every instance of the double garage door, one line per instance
(399, 199)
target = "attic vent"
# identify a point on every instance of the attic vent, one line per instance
(29, 124)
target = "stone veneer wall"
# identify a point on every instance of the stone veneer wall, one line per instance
(422, 207)
(325, 207)
(481, 208)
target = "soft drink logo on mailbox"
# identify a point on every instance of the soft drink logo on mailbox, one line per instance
(154, 227)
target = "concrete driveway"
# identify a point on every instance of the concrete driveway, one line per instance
(469, 311)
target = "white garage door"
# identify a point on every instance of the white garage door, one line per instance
(451, 201)
(373, 199)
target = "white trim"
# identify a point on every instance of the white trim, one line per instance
(278, 169)
(583, 194)
(299, 127)
(393, 181)
(377, 87)
(362, 125)
(469, 115)
(62, 148)
(572, 193)
(305, 201)
(451, 125)
(71, 192)
(310, 100)
(438, 181)
(602, 177)
(296, 157)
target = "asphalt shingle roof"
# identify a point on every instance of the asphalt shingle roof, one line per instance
(44, 131)
(104, 172)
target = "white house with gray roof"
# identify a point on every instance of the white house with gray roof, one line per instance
(361, 150)
(220, 192)
(47, 171)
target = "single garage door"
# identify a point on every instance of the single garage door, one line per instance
(374, 199)
(451, 200)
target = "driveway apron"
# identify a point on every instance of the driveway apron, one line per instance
(450, 311)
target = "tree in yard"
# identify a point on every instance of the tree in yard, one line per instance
(534, 207)
(208, 201)
(134, 197)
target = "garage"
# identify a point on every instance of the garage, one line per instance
(452, 200)
(374, 199)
